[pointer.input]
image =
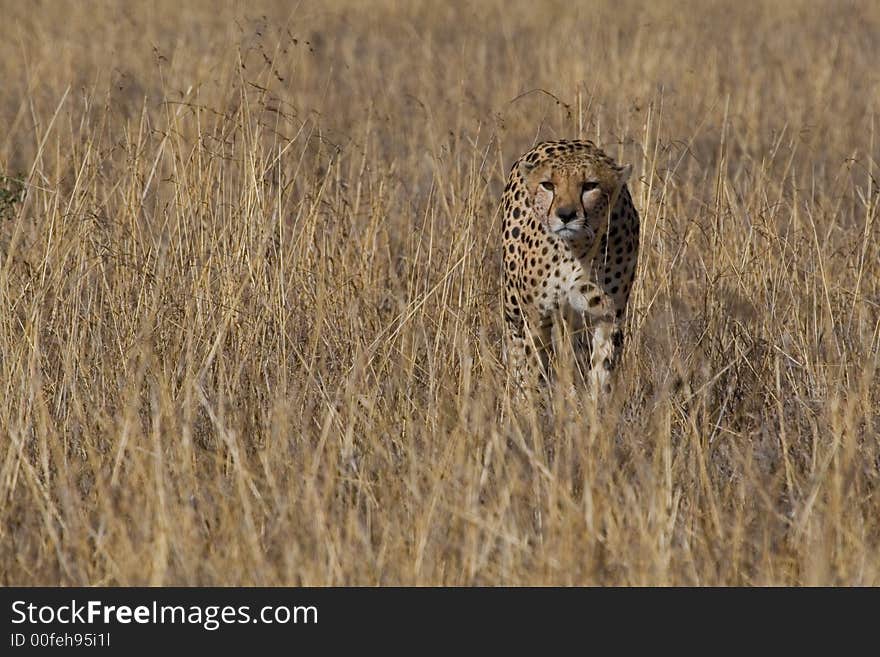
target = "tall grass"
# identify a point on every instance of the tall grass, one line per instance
(249, 276)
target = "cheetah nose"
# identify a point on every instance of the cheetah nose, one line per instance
(566, 214)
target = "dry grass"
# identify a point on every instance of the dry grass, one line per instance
(251, 331)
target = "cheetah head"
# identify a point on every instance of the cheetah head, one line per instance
(572, 198)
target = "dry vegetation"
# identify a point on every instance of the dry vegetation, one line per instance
(249, 275)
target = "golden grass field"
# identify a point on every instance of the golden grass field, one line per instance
(250, 284)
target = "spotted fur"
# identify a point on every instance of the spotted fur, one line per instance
(571, 241)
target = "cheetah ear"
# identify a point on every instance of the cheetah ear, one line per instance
(624, 174)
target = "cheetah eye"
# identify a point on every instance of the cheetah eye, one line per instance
(546, 184)
(590, 186)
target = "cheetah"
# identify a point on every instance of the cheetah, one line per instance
(571, 241)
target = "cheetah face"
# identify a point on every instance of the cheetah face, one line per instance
(573, 202)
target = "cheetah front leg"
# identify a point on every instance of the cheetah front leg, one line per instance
(525, 354)
(515, 351)
(607, 344)
(606, 335)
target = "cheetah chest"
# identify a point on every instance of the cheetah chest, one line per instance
(575, 294)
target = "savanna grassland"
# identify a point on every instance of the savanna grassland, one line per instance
(250, 322)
